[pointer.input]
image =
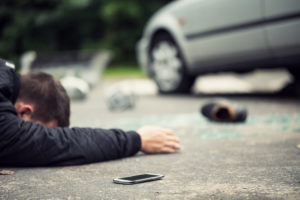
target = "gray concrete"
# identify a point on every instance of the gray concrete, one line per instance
(258, 159)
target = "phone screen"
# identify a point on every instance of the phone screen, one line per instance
(138, 177)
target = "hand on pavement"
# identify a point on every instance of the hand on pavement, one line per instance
(158, 140)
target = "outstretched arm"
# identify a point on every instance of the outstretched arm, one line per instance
(30, 144)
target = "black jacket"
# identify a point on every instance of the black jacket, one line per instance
(30, 144)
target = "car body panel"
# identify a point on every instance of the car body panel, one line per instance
(227, 35)
(229, 48)
(284, 38)
(209, 16)
(209, 36)
(275, 8)
(283, 34)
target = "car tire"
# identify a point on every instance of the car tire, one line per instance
(168, 66)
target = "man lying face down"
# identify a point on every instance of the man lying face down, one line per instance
(34, 120)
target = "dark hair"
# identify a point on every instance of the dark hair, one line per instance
(48, 96)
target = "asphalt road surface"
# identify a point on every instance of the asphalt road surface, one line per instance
(258, 159)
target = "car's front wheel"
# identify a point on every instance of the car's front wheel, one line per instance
(168, 66)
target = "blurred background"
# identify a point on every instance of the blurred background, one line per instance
(76, 40)
(71, 25)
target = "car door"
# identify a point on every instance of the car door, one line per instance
(283, 27)
(223, 32)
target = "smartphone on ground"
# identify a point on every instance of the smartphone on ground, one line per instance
(138, 178)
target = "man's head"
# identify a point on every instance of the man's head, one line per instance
(43, 99)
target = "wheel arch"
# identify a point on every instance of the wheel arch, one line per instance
(184, 83)
(169, 24)
(175, 38)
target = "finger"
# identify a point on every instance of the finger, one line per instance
(168, 131)
(167, 150)
(172, 145)
(173, 139)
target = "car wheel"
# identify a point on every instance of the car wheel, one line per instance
(168, 66)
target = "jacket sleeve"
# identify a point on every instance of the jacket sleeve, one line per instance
(30, 144)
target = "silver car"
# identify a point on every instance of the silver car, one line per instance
(188, 38)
